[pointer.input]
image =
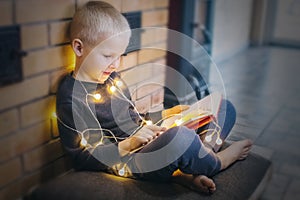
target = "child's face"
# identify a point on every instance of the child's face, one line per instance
(100, 61)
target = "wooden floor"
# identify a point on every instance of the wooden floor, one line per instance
(264, 85)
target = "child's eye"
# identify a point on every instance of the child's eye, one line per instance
(107, 56)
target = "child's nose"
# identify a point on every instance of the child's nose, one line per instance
(115, 64)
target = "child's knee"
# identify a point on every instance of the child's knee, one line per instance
(181, 131)
(230, 109)
(181, 136)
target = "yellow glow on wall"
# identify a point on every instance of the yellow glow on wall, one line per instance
(51, 112)
(52, 109)
(70, 59)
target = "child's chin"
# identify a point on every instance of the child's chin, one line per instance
(103, 79)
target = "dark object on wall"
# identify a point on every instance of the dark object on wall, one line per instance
(134, 20)
(10, 55)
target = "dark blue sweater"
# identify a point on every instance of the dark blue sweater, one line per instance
(75, 117)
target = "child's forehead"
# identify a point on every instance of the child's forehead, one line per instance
(116, 43)
(110, 38)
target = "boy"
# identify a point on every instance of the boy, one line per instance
(100, 127)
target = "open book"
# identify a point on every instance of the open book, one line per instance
(199, 114)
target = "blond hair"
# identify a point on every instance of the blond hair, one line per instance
(96, 21)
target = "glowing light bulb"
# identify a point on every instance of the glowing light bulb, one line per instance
(113, 89)
(97, 96)
(83, 142)
(219, 141)
(178, 122)
(119, 83)
(122, 171)
(208, 138)
(148, 122)
(54, 115)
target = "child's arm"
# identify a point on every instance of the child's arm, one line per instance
(84, 157)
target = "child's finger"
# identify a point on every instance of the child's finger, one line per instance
(139, 140)
(146, 132)
(155, 128)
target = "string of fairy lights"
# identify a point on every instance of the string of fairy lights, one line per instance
(116, 89)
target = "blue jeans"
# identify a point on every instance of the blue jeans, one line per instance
(181, 148)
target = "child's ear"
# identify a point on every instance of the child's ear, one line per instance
(77, 46)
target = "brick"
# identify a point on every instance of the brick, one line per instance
(157, 98)
(157, 108)
(24, 140)
(161, 3)
(128, 61)
(132, 92)
(137, 5)
(161, 34)
(42, 10)
(160, 63)
(9, 171)
(37, 111)
(47, 59)
(148, 36)
(43, 155)
(23, 185)
(155, 18)
(147, 88)
(59, 32)
(143, 105)
(114, 3)
(6, 17)
(29, 89)
(161, 79)
(159, 70)
(153, 35)
(34, 36)
(13, 191)
(162, 46)
(71, 59)
(55, 78)
(9, 121)
(147, 55)
(137, 74)
(54, 128)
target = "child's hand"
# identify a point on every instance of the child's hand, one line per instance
(145, 135)
(174, 110)
(142, 137)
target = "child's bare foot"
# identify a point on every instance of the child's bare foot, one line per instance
(236, 151)
(204, 184)
(199, 183)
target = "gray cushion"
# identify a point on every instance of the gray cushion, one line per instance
(242, 180)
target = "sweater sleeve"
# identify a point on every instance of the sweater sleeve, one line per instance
(95, 158)
(154, 116)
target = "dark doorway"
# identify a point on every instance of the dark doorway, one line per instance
(192, 18)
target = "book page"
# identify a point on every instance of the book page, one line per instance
(208, 106)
